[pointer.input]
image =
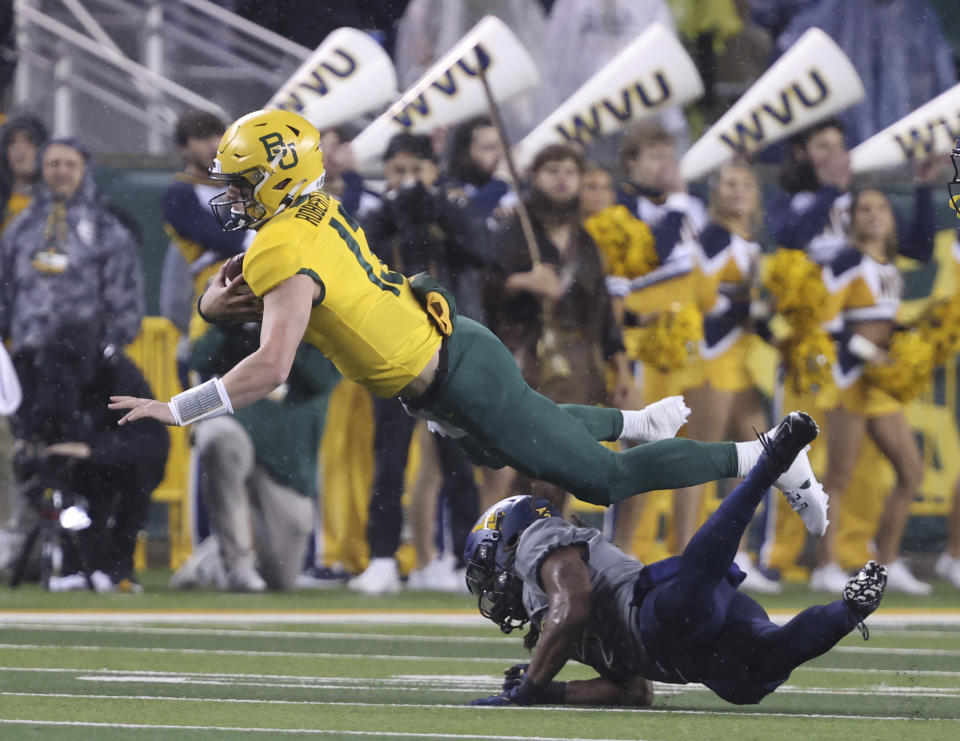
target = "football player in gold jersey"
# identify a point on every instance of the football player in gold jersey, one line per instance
(319, 282)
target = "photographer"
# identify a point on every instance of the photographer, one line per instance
(67, 440)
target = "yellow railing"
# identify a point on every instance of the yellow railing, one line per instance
(155, 353)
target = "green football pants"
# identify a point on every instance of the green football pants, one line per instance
(509, 424)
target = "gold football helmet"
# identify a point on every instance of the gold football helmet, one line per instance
(268, 159)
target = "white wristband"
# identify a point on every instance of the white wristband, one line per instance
(862, 348)
(200, 402)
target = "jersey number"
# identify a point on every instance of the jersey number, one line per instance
(385, 280)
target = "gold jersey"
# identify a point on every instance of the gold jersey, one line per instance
(366, 319)
(860, 289)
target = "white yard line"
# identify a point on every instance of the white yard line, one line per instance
(438, 706)
(311, 731)
(907, 633)
(473, 685)
(895, 651)
(285, 654)
(861, 670)
(463, 618)
(300, 678)
(946, 653)
(241, 633)
(245, 617)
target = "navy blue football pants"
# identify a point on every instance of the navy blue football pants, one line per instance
(701, 627)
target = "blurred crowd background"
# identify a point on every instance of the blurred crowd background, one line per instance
(777, 283)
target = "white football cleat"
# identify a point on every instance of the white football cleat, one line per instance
(948, 569)
(436, 576)
(829, 578)
(788, 442)
(899, 579)
(380, 577)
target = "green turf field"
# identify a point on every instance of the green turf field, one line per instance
(165, 665)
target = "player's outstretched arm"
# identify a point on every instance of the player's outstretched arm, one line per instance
(566, 582)
(638, 691)
(286, 311)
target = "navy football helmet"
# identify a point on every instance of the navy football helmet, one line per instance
(489, 555)
(953, 187)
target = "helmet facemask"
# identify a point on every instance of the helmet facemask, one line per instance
(502, 601)
(498, 590)
(953, 187)
(237, 207)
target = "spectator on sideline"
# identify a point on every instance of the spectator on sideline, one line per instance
(555, 316)
(67, 261)
(259, 468)
(197, 243)
(416, 229)
(20, 139)
(655, 193)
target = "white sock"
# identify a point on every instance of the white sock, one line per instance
(748, 453)
(747, 456)
(633, 427)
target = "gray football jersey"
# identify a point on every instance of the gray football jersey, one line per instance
(610, 642)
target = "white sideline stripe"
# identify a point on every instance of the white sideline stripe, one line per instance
(398, 657)
(906, 633)
(896, 651)
(475, 686)
(492, 685)
(861, 670)
(399, 637)
(313, 731)
(360, 617)
(239, 652)
(402, 637)
(436, 706)
(301, 677)
(364, 617)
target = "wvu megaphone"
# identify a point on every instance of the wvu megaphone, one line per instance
(10, 392)
(930, 130)
(652, 73)
(451, 90)
(346, 76)
(813, 80)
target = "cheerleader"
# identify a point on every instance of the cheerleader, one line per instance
(864, 287)
(728, 402)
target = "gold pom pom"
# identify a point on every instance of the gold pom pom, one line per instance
(939, 324)
(669, 341)
(796, 283)
(809, 358)
(909, 367)
(625, 242)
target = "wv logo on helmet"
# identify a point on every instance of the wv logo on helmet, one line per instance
(284, 155)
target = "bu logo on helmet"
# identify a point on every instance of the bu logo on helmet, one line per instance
(278, 151)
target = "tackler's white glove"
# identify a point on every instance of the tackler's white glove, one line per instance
(657, 421)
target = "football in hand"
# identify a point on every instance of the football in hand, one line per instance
(234, 267)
